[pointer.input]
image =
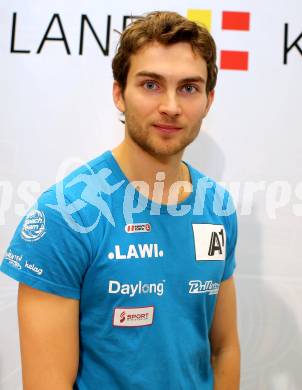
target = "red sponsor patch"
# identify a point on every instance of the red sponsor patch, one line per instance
(138, 228)
(128, 317)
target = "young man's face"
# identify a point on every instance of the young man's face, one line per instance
(165, 98)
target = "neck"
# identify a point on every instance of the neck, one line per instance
(139, 165)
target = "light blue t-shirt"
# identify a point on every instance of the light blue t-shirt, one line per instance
(147, 275)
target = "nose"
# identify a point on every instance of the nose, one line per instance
(169, 104)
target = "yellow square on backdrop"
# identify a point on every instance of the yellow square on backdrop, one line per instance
(201, 16)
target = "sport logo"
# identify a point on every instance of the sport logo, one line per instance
(34, 226)
(133, 316)
(210, 242)
(203, 287)
(138, 228)
(122, 317)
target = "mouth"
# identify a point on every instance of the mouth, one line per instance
(165, 128)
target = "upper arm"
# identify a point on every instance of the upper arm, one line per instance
(49, 339)
(224, 332)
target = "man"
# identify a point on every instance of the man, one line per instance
(126, 265)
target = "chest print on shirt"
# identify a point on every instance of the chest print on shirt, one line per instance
(210, 242)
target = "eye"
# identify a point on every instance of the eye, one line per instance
(150, 85)
(189, 88)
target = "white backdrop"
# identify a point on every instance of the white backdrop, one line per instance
(55, 106)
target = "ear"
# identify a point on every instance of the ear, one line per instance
(118, 96)
(209, 102)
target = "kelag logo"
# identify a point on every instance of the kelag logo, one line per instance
(231, 20)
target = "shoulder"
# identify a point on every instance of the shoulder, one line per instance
(215, 195)
(91, 174)
(78, 197)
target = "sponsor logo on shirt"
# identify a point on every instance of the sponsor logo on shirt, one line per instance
(139, 251)
(33, 268)
(138, 228)
(203, 287)
(133, 316)
(115, 287)
(13, 259)
(210, 242)
(34, 226)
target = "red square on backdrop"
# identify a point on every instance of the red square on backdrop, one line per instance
(235, 21)
(234, 60)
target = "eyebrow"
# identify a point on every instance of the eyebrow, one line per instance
(156, 76)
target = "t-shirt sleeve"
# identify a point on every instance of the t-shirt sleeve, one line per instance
(231, 240)
(46, 253)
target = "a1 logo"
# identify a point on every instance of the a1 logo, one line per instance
(210, 242)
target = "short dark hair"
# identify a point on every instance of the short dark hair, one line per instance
(166, 28)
